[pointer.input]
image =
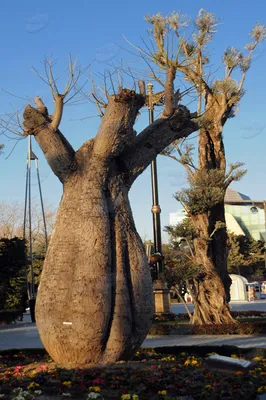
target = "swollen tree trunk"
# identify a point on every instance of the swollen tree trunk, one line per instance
(94, 303)
(95, 299)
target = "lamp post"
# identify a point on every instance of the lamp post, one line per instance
(160, 290)
(156, 209)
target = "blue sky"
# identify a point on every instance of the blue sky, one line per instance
(30, 30)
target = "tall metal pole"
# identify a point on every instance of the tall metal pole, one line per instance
(30, 225)
(156, 209)
(28, 210)
(40, 191)
(24, 224)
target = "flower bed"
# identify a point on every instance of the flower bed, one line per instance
(161, 374)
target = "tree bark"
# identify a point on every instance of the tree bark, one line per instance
(212, 290)
(212, 287)
(95, 299)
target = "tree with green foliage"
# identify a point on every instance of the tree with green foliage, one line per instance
(182, 269)
(217, 101)
(13, 263)
(246, 257)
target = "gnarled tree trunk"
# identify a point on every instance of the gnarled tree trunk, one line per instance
(212, 290)
(210, 295)
(95, 300)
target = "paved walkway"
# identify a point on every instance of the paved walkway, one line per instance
(26, 336)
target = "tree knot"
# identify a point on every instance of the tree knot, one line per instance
(34, 121)
(127, 96)
(180, 118)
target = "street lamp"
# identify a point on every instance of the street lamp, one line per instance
(156, 209)
(160, 291)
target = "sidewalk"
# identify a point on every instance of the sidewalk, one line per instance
(27, 336)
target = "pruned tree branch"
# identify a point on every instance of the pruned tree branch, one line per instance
(116, 129)
(58, 111)
(142, 88)
(169, 93)
(152, 140)
(57, 150)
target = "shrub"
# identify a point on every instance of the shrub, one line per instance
(250, 313)
(7, 317)
(244, 328)
(13, 263)
(165, 317)
(235, 314)
(170, 329)
(183, 316)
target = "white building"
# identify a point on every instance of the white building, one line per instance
(177, 217)
(243, 215)
(238, 288)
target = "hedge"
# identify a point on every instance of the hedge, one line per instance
(235, 314)
(8, 317)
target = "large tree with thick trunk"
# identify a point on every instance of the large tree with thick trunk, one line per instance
(95, 300)
(217, 101)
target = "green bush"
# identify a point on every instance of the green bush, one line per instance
(174, 328)
(250, 313)
(165, 317)
(13, 263)
(243, 328)
(171, 328)
(235, 314)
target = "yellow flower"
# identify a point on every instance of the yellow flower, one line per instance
(33, 386)
(234, 356)
(32, 374)
(135, 397)
(208, 387)
(95, 389)
(162, 393)
(257, 358)
(67, 384)
(125, 397)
